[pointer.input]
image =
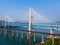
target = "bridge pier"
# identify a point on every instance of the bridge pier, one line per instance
(6, 32)
(42, 38)
(51, 32)
(53, 40)
(28, 35)
(17, 33)
(0, 31)
(34, 37)
(22, 34)
(13, 33)
(34, 34)
(52, 36)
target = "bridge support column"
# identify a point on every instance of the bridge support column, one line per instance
(0, 31)
(51, 32)
(17, 33)
(42, 38)
(28, 35)
(22, 34)
(13, 33)
(53, 40)
(34, 34)
(6, 32)
(34, 37)
(52, 36)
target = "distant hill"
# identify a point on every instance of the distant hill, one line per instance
(57, 22)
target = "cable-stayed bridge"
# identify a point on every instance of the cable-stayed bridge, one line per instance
(31, 25)
(33, 20)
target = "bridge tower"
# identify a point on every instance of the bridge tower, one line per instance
(31, 19)
(31, 22)
(6, 21)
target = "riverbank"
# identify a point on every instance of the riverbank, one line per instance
(49, 42)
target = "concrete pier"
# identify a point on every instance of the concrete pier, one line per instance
(22, 34)
(51, 32)
(28, 35)
(13, 33)
(52, 36)
(0, 31)
(34, 37)
(53, 40)
(17, 33)
(6, 32)
(34, 34)
(42, 38)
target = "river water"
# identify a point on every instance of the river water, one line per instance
(9, 40)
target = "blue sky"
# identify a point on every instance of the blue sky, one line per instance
(18, 9)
